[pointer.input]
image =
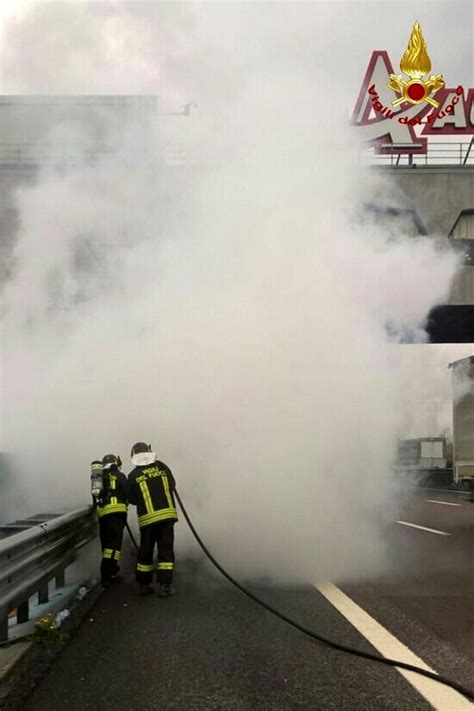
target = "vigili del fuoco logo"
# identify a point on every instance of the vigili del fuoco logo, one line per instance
(416, 65)
(391, 106)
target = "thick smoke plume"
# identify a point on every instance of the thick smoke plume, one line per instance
(234, 313)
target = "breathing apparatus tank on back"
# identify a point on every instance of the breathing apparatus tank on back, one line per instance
(97, 479)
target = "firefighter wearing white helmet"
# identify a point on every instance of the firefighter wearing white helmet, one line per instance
(150, 489)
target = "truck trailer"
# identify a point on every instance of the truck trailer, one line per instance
(463, 421)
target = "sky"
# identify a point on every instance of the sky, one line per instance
(125, 36)
(234, 316)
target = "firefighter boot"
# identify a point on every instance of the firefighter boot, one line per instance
(165, 590)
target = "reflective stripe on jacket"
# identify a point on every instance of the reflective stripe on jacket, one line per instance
(114, 496)
(151, 490)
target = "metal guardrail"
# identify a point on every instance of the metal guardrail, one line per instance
(174, 153)
(31, 559)
(438, 154)
(26, 154)
(31, 156)
(23, 524)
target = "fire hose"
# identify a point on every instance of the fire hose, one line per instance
(468, 693)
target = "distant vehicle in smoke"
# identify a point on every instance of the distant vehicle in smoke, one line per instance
(424, 461)
(423, 452)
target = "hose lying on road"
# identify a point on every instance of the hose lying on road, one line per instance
(468, 693)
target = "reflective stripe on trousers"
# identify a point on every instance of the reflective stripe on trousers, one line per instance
(142, 568)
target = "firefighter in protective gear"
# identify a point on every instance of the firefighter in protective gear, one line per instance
(150, 489)
(112, 513)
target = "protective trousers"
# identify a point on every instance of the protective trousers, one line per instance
(162, 535)
(111, 534)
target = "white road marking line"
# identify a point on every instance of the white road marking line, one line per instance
(445, 503)
(423, 528)
(439, 696)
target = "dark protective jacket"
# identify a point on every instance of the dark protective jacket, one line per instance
(114, 496)
(150, 489)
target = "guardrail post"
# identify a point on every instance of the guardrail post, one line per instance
(3, 625)
(61, 578)
(23, 612)
(31, 558)
(43, 594)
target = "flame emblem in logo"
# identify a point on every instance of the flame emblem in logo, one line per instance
(416, 64)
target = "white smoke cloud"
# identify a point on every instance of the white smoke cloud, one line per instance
(233, 315)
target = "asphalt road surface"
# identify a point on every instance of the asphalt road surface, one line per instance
(209, 647)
